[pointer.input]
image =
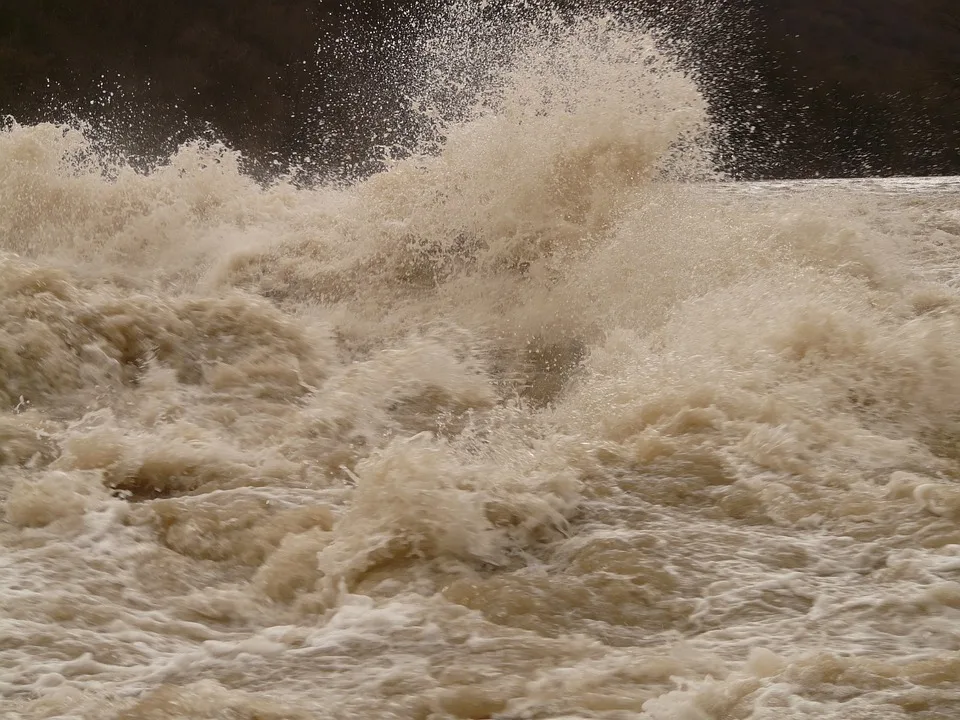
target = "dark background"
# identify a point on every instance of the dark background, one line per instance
(805, 88)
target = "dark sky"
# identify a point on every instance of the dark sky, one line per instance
(844, 87)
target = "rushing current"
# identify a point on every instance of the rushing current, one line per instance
(545, 420)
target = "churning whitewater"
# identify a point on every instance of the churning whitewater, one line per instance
(544, 420)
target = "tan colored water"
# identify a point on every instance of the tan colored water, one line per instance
(522, 428)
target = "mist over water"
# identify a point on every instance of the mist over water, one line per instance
(544, 420)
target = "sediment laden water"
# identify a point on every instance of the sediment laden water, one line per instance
(545, 422)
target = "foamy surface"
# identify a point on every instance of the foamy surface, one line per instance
(540, 422)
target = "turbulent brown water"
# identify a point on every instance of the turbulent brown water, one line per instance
(543, 423)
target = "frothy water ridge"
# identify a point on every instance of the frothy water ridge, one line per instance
(541, 422)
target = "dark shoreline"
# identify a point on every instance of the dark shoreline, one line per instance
(804, 88)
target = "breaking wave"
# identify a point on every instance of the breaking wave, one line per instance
(544, 420)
